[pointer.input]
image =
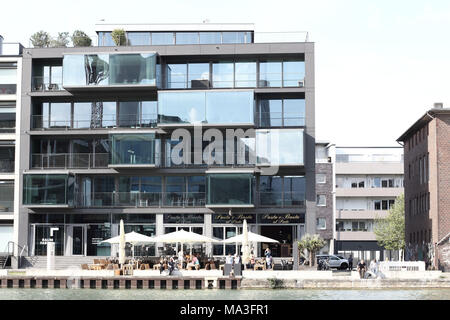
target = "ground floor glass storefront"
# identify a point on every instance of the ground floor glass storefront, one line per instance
(82, 234)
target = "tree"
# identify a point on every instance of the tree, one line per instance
(312, 243)
(390, 231)
(62, 40)
(81, 39)
(119, 37)
(40, 39)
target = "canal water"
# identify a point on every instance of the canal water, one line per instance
(216, 294)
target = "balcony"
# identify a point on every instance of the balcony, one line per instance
(105, 121)
(135, 150)
(361, 214)
(355, 236)
(69, 161)
(368, 192)
(141, 199)
(200, 159)
(42, 84)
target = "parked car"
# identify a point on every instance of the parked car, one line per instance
(334, 261)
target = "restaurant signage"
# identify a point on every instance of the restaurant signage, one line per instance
(275, 218)
(235, 218)
(184, 218)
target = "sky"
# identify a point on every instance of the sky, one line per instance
(379, 65)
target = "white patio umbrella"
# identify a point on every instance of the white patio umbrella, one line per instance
(183, 236)
(130, 237)
(245, 249)
(252, 237)
(122, 243)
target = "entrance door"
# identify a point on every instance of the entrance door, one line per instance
(78, 240)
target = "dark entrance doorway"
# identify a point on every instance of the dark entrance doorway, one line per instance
(281, 233)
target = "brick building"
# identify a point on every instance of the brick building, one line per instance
(427, 187)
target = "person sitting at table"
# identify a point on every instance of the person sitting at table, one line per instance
(196, 262)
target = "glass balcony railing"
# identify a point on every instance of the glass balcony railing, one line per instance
(141, 199)
(69, 160)
(282, 199)
(44, 84)
(279, 119)
(106, 121)
(224, 159)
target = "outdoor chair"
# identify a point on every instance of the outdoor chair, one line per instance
(109, 267)
(84, 267)
(96, 261)
(115, 267)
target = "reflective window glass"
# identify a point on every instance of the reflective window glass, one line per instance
(270, 190)
(149, 113)
(229, 189)
(133, 68)
(181, 107)
(186, 38)
(210, 37)
(293, 112)
(176, 76)
(47, 189)
(279, 146)
(223, 75)
(293, 73)
(270, 74)
(7, 117)
(233, 37)
(108, 113)
(229, 107)
(82, 114)
(198, 76)
(129, 114)
(138, 38)
(60, 115)
(133, 149)
(105, 39)
(8, 81)
(245, 74)
(270, 112)
(162, 38)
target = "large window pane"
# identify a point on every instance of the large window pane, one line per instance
(105, 39)
(270, 74)
(293, 73)
(270, 112)
(229, 107)
(108, 111)
(133, 69)
(175, 188)
(198, 76)
(129, 114)
(210, 37)
(6, 196)
(245, 74)
(138, 38)
(60, 115)
(294, 191)
(186, 38)
(134, 149)
(7, 157)
(48, 189)
(196, 187)
(181, 107)
(270, 190)
(229, 189)
(223, 75)
(176, 76)
(233, 37)
(8, 81)
(279, 146)
(86, 70)
(149, 113)
(7, 117)
(161, 38)
(82, 114)
(293, 112)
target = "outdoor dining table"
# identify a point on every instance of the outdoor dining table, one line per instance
(95, 266)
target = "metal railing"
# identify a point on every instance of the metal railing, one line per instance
(40, 83)
(69, 160)
(106, 121)
(201, 159)
(141, 199)
(279, 119)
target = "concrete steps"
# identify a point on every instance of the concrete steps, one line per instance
(61, 262)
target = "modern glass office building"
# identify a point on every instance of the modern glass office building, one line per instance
(193, 127)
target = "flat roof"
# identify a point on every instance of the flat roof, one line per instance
(175, 26)
(427, 117)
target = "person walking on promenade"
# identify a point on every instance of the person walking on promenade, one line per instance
(171, 265)
(267, 252)
(161, 265)
(361, 268)
(350, 262)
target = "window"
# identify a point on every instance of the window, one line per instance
(245, 74)
(279, 146)
(321, 200)
(210, 37)
(8, 80)
(230, 189)
(321, 224)
(134, 149)
(293, 73)
(6, 196)
(48, 189)
(176, 76)
(163, 38)
(198, 75)
(174, 190)
(281, 112)
(233, 37)
(105, 39)
(7, 117)
(229, 107)
(223, 74)
(7, 157)
(138, 38)
(187, 38)
(270, 74)
(321, 178)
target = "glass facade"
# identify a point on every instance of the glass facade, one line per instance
(7, 157)
(281, 112)
(109, 69)
(134, 149)
(275, 147)
(270, 74)
(138, 38)
(230, 189)
(211, 107)
(7, 117)
(293, 73)
(48, 189)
